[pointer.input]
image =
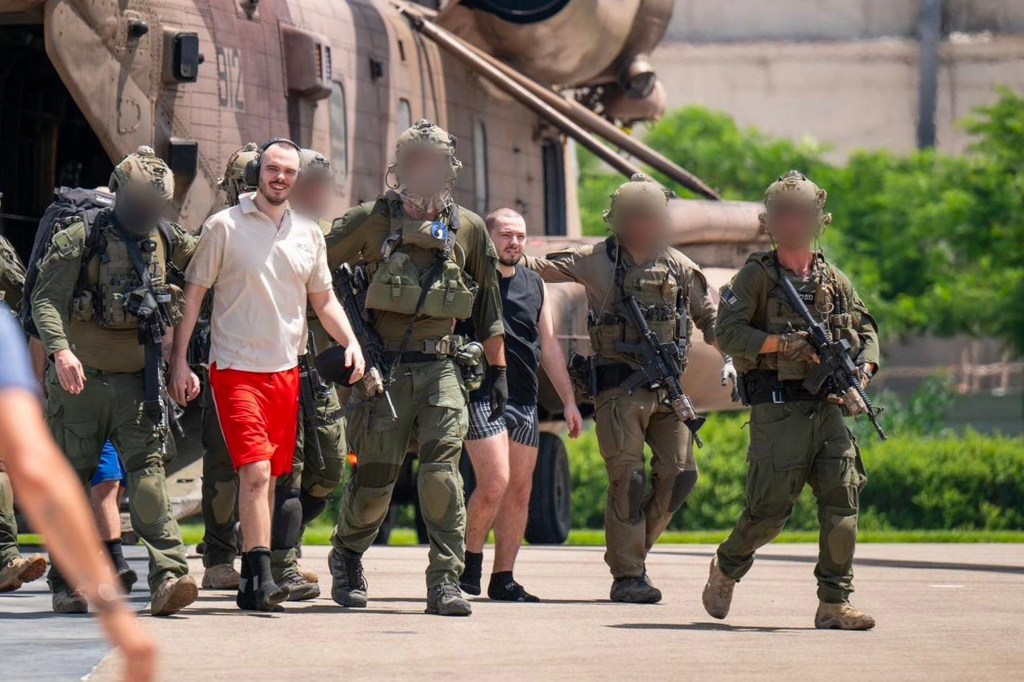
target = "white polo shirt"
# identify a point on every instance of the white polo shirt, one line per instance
(261, 275)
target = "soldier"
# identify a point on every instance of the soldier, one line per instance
(303, 495)
(220, 482)
(795, 437)
(98, 285)
(671, 290)
(14, 568)
(430, 263)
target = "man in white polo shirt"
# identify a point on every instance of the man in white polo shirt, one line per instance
(264, 261)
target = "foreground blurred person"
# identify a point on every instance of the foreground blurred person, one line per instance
(103, 305)
(796, 437)
(263, 261)
(504, 451)
(52, 498)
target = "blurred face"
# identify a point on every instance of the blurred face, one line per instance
(509, 237)
(424, 171)
(279, 169)
(139, 208)
(793, 225)
(312, 195)
(642, 228)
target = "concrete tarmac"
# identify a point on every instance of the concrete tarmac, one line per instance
(945, 612)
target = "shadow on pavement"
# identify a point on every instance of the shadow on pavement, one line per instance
(724, 627)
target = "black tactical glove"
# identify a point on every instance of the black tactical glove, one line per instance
(498, 379)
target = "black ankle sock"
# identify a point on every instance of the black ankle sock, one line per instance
(474, 564)
(114, 549)
(258, 560)
(503, 587)
(501, 576)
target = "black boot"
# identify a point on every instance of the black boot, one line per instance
(348, 584)
(469, 581)
(257, 590)
(125, 574)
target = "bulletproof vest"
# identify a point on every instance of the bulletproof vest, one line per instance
(824, 298)
(111, 276)
(660, 288)
(408, 259)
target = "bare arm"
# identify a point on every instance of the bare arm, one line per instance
(183, 385)
(494, 351)
(552, 359)
(52, 498)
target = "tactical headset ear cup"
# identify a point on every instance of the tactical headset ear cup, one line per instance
(251, 176)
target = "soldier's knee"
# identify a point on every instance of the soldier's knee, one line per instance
(148, 498)
(627, 488)
(771, 512)
(682, 486)
(366, 505)
(222, 501)
(286, 528)
(841, 533)
(312, 506)
(439, 491)
(377, 474)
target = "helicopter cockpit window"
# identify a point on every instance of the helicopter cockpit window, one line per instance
(339, 132)
(404, 115)
(480, 176)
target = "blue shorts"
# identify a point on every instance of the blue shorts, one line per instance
(110, 467)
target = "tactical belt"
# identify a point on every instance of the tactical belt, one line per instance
(613, 375)
(392, 357)
(764, 386)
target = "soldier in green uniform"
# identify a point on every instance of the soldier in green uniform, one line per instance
(303, 496)
(795, 437)
(220, 482)
(673, 295)
(430, 262)
(83, 305)
(14, 568)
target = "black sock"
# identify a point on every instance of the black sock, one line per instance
(114, 549)
(503, 587)
(258, 559)
(470, 579)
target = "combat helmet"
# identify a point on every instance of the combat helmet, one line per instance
(639, 194)
(796, 188)
(233, 182)
(429, 135)
(313, 163)
(143, 169)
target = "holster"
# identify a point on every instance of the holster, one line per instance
(583, 374)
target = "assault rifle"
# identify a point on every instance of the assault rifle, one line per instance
(347, 282)
(313, 393)
(835, 361)
(149, 305)
(660, 366)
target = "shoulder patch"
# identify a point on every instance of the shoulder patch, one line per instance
(66, 245)
(729, 297)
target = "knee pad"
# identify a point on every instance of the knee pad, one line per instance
(636, 490)
(148, 501)
(439, 491)
(312, 507)
(365, 506)
(221, 501)
(682, 486)
(841, 533)
(286, 527)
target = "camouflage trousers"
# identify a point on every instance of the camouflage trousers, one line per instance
(430, 400)
(791, 445)
(637, 510)
(8, 525)
(110, 408)
(312, 485)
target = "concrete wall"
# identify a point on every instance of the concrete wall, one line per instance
(847, 94)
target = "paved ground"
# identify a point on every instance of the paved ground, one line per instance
(946, 612)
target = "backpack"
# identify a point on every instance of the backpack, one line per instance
(70, 204)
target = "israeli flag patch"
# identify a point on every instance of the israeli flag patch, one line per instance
(438, 230)
(729, 298)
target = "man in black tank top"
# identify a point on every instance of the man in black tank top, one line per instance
(504, 451)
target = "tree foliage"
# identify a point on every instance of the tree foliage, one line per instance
(934, 242)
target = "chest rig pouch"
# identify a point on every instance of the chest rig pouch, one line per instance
(419, 272)
(660, 290)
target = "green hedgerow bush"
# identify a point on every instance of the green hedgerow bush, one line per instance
(915, 481)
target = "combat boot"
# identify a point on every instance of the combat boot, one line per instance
(307, 575)
(221, 577)
(299, 588)
(173, 595)
(21, 570)
(635, 590)
(446, 600)
(69, 601)
(717, 595)
(842, 616)
(348, 584)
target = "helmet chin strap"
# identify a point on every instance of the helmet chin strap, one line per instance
(429, 204)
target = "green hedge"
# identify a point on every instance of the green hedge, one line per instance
(967, 482)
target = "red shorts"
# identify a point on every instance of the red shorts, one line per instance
(259, 415)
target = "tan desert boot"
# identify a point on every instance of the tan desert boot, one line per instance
(717, 595)
(842, 616)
